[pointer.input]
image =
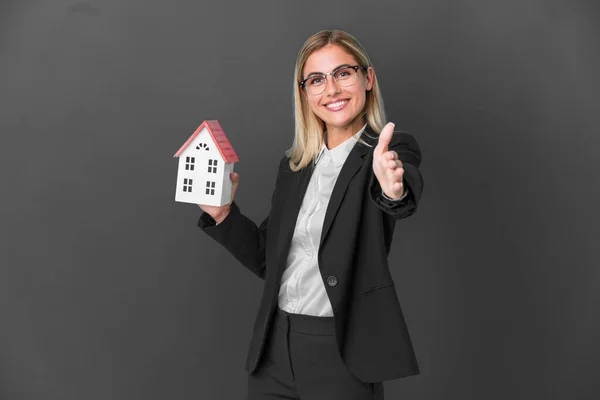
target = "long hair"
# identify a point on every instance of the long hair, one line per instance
(310, 129)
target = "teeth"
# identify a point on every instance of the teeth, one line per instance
(337, 104)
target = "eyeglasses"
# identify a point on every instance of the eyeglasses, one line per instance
(343, 76)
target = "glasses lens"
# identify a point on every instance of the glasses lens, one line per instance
(345, 76)
(316, 84)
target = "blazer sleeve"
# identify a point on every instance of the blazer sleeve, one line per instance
(240, 236)
(410, 154)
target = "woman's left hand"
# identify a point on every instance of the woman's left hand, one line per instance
(386, 165)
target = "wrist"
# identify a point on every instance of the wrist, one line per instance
(401, 196)
(222, 215)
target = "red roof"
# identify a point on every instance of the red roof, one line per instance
(218, 136)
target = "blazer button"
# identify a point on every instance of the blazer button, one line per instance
(332, 281)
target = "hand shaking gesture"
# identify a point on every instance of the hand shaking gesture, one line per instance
(386, 165)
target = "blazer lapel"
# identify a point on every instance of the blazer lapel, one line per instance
(351, 166)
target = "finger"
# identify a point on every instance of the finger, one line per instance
(394, 174)
(384, 138)
(235, 180)
(397, 186)
(391, 155)
(394, 164)
(398, 173)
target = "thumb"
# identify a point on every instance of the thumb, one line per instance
(235, 180)
(384, 138)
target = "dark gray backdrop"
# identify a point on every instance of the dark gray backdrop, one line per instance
(108, 290)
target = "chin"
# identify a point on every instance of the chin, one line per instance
(346, 123)
(339, 122)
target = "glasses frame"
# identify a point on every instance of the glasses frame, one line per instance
(354, 67)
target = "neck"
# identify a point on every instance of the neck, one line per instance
(337, 135)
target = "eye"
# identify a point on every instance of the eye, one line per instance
(315, 81)
(344, 73)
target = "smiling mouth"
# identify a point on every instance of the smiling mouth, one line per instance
(337, 105)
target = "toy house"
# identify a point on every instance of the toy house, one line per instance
(205, 161)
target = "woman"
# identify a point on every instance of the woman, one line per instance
(329, 324)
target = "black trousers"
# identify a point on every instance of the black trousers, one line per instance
(301, 361)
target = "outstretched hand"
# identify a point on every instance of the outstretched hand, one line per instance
(386, 165)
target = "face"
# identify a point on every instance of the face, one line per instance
(338, 106)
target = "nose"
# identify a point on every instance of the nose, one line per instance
(332, 87)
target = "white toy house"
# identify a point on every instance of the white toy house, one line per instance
(205, 161)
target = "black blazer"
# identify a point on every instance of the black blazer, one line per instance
(371, 333)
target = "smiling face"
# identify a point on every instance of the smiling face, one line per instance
(338, 106)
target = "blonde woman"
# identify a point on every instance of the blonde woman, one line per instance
(329, 326)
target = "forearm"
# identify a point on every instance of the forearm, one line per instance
(240, 236)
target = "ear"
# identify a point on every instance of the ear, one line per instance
(370, 78)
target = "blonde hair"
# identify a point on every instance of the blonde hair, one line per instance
(310, 129)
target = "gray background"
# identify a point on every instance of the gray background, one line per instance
(108, 290)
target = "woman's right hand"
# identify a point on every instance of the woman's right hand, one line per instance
(218, 213)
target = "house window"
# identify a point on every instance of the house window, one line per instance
(189, 163)
(212, 166)
(187, 185)
(202, 146)
(210, 188)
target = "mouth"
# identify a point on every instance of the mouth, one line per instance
(337, 105)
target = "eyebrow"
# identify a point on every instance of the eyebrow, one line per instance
(322, 73)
